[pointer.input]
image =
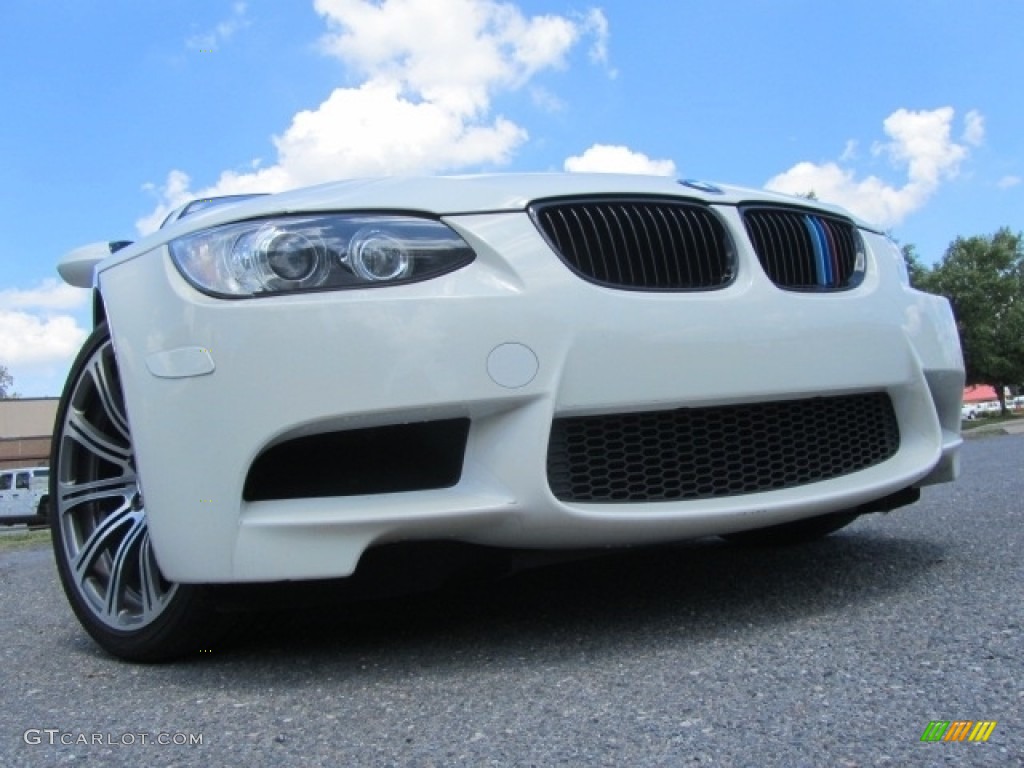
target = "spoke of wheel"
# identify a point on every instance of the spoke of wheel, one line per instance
(97, 443)
(104, 389)
(149, 577)
(129, 547)
(75, 494)
(100, 540)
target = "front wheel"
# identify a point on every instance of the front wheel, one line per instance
(100, 532)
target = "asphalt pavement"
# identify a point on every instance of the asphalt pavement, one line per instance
(1000, 428)
(839, 653)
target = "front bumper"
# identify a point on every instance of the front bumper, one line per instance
(509, 343)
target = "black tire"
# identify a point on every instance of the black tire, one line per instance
(100, 532)
(797, 532)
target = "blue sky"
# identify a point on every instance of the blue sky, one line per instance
(906, 111)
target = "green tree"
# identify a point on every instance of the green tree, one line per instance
(983, 278)
(915, 269)
(6, 382)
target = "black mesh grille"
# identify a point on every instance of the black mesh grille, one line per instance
(800, 250)
(703, 453)
(661, 245)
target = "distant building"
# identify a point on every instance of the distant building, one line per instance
(982, 393)
(26, 428)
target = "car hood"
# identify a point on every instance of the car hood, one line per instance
(450, 195)
(445, 196)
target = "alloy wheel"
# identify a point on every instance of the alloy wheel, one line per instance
(100, 508)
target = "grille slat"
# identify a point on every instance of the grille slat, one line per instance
(660, 249)
(700, 267)
(673, 269)
(704, 237)
(647, 251)
(640, 244)
(804, 250)
(703, 453)
(619, 248)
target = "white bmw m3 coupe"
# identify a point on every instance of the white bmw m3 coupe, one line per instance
(275, 384)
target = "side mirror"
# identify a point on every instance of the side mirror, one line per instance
(77, 267)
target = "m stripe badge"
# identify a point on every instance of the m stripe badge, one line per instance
(958, 730)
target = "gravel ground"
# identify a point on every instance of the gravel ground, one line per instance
(833, 654)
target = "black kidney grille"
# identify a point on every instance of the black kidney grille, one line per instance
(801, 250)
(640, 244)
(704, 453)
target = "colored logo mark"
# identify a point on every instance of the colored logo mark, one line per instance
(958, 730)
(701, 186)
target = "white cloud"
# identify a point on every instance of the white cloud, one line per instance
(597, 24)
(974, 128)
(1008, 181)
(870, 198)
(28, 340)
(173, 193)
(429, 69)
(38, 335)
(211, 40)
(51, 294)
(546, 100)
(919, 142)
(454, 53)
(608, 158)
(374, 130)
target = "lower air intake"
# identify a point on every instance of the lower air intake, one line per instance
(704, 453)
(388, 459)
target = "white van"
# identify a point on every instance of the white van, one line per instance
(24, 495)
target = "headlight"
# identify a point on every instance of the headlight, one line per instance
(321, 252)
